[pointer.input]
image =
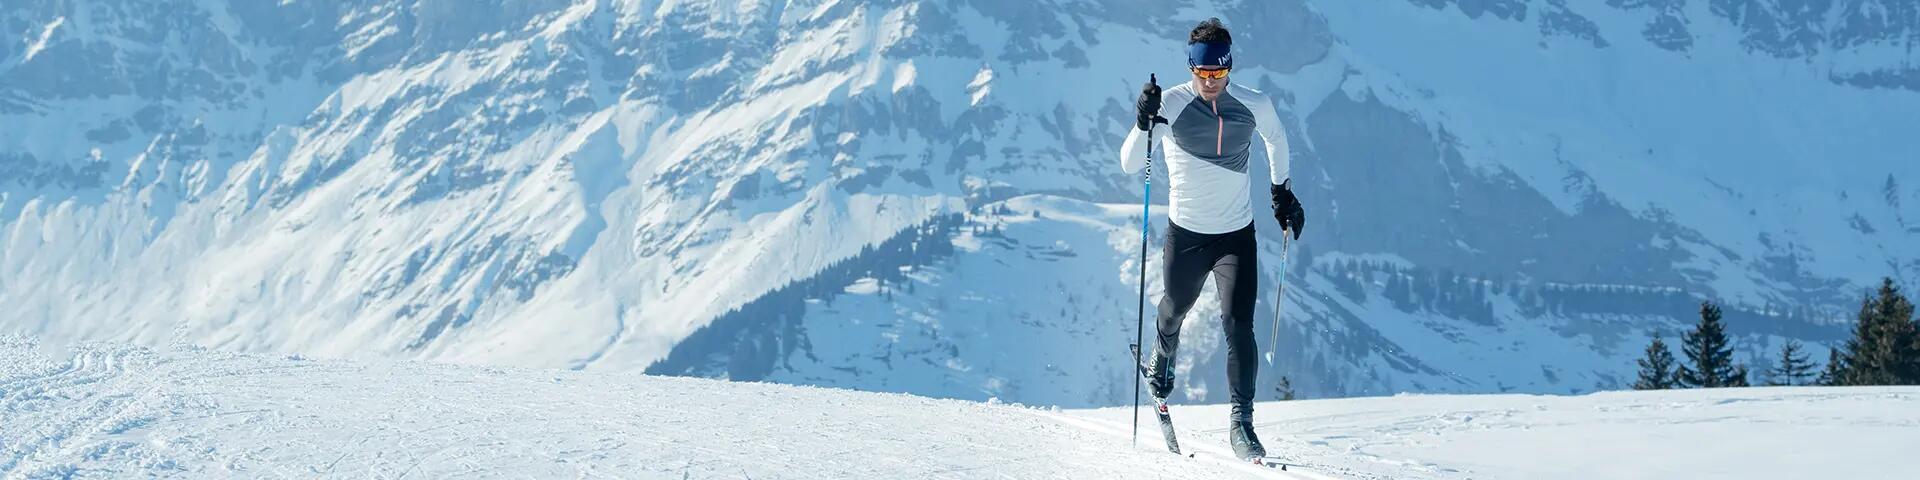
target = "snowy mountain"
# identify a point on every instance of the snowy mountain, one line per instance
(921, 197)
(104, 410)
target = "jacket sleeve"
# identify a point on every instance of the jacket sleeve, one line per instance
(1266, 121)
(1133, 153)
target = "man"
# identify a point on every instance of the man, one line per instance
(1206, 142)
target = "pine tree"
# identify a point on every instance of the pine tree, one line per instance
(1305, 258)
(1397, 293)
(1897, 313)
(1656, 371)
(1427, 289)
(1793, 368)
(1854, 371)
(1836, 372)
(1707, 350)
(1883, 351)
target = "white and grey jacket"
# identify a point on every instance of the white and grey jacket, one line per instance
(1207, 159)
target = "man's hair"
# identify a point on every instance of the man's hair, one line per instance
(1210, 31)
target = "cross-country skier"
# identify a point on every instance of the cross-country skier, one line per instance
(1206, 140)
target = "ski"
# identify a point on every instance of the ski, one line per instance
(1159, 407)
(1270, 462)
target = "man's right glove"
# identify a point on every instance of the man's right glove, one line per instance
(1146, 110)
(1286, 208)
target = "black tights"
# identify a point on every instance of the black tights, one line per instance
(1233, 259)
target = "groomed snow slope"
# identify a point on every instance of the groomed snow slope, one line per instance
(101, 410)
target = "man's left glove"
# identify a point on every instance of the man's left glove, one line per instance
(1286, 208)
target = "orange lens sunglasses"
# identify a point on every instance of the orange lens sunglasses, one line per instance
(1211, 74)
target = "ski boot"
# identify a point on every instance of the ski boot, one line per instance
(1246, 445)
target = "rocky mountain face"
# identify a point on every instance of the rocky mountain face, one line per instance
(1503, 195)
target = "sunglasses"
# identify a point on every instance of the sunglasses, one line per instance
(1215, 74)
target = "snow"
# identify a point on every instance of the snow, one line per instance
(40, 43)
(982, 84)
(903, 76)
(112, 411)
(1672, 135)
(293, 230)
(109, 410)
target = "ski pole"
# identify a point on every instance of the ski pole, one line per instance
(1140, 319)
(1273, 341)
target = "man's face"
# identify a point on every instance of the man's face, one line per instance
(1205, 81)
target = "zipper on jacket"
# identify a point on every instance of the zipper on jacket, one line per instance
(1220, 130)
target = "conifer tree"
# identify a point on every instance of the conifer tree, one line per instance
(1793, 367)
(1883, 350)
(1656, 370)
(1709, 357)
(1836, 372)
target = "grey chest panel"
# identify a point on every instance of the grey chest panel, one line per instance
(1219, 132)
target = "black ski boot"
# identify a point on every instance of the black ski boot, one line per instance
(1246, 445)
(1159, 376)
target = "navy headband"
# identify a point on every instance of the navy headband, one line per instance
(1209, 54)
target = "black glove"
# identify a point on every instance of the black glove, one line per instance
(1147, 110)
(1286, 208)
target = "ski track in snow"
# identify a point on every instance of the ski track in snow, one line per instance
(122, 411)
